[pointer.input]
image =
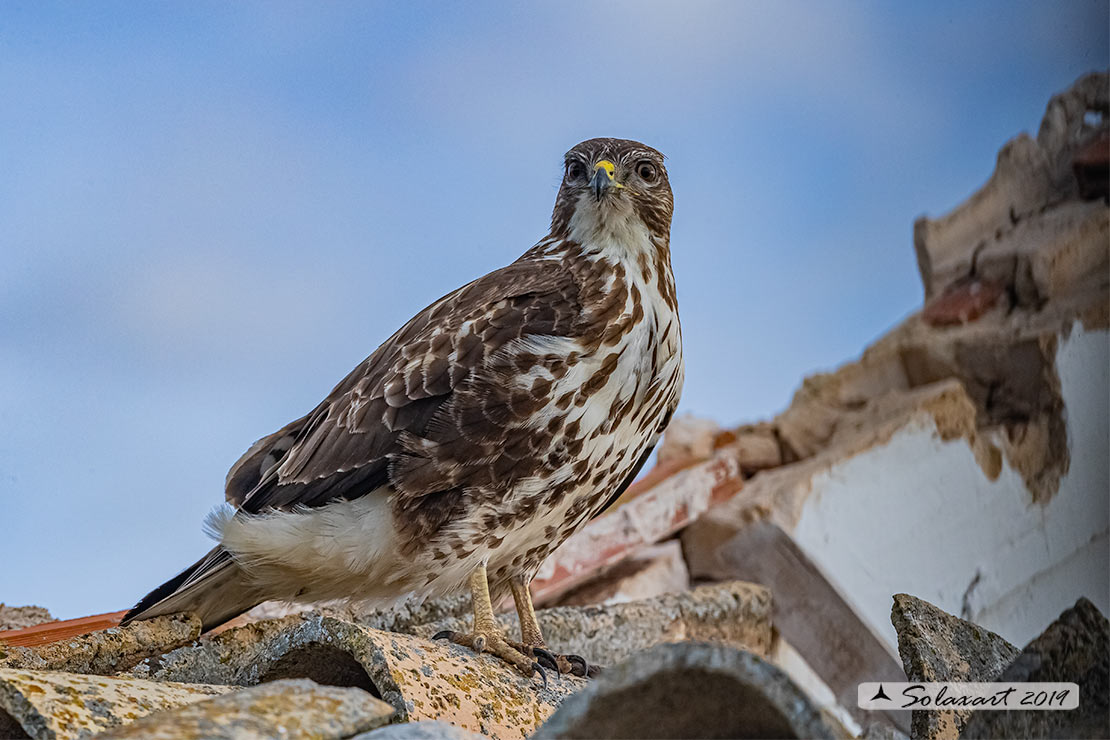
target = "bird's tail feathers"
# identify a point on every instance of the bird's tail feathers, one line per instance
(214, 588)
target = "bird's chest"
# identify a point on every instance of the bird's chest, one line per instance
(623, 385)
(607, 409)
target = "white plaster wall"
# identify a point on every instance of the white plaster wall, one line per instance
(917, 515)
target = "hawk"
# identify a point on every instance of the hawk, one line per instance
(478, 437)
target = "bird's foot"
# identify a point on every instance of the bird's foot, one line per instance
(575, 665)
(493, 642)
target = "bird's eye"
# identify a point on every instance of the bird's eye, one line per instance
(647, 172)
(575, 171)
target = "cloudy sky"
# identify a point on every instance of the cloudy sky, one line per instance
(210, 212)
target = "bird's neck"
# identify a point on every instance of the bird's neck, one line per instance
(644, 257)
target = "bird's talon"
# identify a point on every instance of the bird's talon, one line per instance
(479, 643)
(546, 659)
(579, 666)
(536, 667)
(444, 635)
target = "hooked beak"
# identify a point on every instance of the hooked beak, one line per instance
(604, 178)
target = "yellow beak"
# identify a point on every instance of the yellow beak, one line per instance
(604, 177)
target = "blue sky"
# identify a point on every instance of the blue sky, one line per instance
(210, 212)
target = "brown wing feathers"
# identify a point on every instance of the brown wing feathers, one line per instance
(412, 411)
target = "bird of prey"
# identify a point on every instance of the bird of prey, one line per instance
(478, 437)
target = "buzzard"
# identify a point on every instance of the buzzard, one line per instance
(477, 438)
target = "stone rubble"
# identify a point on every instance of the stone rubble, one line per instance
(1076, 649)
(963, 454)
(741, 587)
(935, 646)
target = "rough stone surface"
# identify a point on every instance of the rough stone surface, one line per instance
(688, 437)
(45, 705)
(963, 301)
(20, 617)
(882, 731)
(107, 651)
(399, 618)
(1075, 648)
(428, 730)
(1092, 167)
(690, 690)
(1030, 174)
(756, 446)
(733, 613)
(421, 679)
(286, 709)
(936, 646)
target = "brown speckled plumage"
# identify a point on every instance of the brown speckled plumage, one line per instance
(487, 429)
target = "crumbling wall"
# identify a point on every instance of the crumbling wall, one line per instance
(963, 456)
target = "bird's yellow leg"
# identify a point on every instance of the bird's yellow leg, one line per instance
(530, 633)
(486, 636)
(531, 637)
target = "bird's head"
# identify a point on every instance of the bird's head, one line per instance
(613, 189)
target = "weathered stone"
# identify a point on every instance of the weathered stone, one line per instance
(733, 613)
(962, 302)
(50, 705)
(1057, 254)
(756, 446)
(1003, 421)
(1076, 649)
(1065, 128)
(397, 618)
(107, 651)
(936, 646)
(1030, 174)
(1092, 167)
(882, 731)
(688, 437)
(689, 690)
(19, 617)
(421, 679)
(427, 730)
(286, 709)
(652, 571)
